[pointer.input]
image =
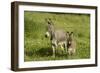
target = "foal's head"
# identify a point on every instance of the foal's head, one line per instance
(70, 37)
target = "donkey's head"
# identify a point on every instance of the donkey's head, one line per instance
(49, 28)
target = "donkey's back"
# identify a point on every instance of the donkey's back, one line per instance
(60, 36)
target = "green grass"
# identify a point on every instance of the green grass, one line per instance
(38, 48)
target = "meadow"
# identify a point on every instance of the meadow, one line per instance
(38, 48)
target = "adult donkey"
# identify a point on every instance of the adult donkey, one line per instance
(57, 37)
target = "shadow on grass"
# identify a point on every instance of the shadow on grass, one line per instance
(45, 51)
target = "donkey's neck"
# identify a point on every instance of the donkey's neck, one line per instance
(52, 31)
(52, 35)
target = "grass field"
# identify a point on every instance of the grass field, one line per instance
(38, 48)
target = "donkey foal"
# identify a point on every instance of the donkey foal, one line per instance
(71, 44)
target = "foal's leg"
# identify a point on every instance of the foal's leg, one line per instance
(62, 47)
(74, 51)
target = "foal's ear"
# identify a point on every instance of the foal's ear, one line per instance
(67, 33)
(71, 33)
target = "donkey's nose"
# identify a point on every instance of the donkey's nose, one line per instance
(47, 34)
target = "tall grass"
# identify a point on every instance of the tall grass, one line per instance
(38, 48)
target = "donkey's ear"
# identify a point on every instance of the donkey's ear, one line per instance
(49, 19)
(51, 23)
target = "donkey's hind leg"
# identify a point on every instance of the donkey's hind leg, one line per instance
(65, 47)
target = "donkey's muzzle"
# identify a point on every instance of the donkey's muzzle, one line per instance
(47, 34)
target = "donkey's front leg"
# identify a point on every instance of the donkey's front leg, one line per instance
(54, 50)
